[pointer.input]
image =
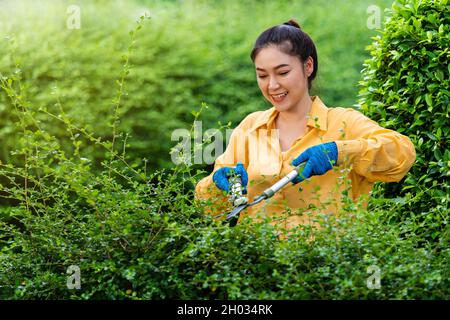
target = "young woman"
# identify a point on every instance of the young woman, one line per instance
(300, 128)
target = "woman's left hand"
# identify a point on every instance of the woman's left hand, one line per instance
(319, 159)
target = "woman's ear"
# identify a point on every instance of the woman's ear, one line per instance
(308, 66)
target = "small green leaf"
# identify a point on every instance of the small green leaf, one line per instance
(429, 100)
(439, 133)
(418, 99)
(439, 75)
(432, 136)
(437, 154)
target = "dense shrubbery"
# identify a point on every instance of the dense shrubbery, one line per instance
(155, 251)
(406, 88)
(137, 233)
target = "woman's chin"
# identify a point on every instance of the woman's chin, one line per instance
(281, 107)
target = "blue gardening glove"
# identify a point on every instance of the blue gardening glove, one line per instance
(220, 177)
(320, 159)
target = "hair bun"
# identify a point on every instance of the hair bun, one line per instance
(292, 23)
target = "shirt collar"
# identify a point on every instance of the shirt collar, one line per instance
(317, 117)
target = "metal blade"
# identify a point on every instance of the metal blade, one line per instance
(236, 211)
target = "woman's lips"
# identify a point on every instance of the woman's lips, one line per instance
(279, 97)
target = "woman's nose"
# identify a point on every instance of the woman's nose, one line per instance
(273, 84)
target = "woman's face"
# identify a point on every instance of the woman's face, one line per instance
(282, 78)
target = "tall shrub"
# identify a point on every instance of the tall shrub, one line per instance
(405, 87)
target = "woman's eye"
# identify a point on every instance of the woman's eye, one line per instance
(284, 73)
(262, 77)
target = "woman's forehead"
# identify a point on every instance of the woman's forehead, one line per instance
(272, 57)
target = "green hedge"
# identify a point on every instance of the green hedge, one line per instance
(138, 250)
(406, 87)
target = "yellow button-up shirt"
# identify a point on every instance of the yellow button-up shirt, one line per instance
(369, 153)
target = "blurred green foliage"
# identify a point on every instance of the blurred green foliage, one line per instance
(190, 52)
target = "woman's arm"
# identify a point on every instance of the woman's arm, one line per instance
(376, 153)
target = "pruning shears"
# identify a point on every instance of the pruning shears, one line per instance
(240, 202)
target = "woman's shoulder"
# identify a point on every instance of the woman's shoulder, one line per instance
(344, 113)
(349, 117)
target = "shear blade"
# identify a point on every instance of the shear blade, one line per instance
(236, 211)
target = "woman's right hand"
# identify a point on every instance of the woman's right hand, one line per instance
(221, 176)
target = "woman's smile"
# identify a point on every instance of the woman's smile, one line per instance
(278, 98)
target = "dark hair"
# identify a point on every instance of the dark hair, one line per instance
(292, 40)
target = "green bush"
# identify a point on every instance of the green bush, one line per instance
(139, 251)
(406, 88)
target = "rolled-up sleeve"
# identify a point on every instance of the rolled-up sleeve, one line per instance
(376, 153)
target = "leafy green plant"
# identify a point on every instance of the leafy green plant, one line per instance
(405, 87)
